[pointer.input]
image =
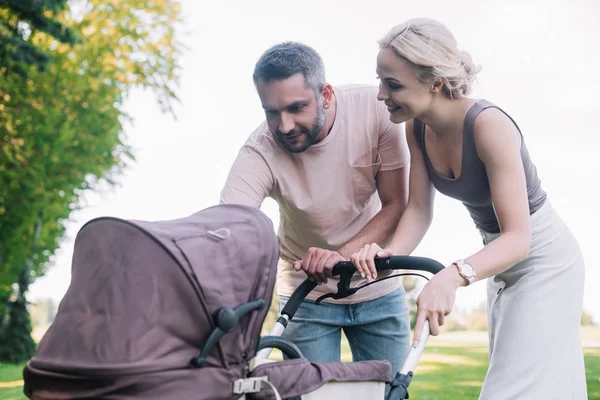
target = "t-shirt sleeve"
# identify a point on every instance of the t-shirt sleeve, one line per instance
(393, 148)
(250, 180)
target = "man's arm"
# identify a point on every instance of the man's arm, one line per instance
(250, 180)
(392, 187)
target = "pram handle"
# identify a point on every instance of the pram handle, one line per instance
(413, 263)
(394, 262)
(400, 383)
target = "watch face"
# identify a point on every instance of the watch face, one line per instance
(467, 269)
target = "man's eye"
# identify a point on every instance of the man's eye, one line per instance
(296, 108)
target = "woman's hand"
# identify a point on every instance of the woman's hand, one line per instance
(436, 301)
(364, 259)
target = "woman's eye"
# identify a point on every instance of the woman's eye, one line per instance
(390, 85)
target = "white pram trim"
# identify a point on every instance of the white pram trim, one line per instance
(253, 385)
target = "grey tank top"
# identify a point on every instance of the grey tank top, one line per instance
(472, 187)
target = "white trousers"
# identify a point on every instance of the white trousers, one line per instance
(534, 313)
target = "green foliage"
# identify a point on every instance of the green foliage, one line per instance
(18, 346)
(61, 128)
(586, 319)
(19, 19)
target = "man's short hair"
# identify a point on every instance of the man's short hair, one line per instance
(289, 58)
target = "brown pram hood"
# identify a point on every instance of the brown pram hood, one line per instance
(141, 305)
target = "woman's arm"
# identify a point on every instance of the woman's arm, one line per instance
(498, 145)
(416, 218)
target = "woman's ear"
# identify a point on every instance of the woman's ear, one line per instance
(437, 85)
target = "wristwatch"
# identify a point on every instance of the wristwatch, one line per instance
(465, 270)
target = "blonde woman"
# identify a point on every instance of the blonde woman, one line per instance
(473, 151)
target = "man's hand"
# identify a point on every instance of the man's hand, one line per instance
(318, 263)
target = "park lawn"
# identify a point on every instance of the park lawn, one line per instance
(445, 371)
(11, 382)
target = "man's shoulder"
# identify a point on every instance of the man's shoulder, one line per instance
(357, 90)
(262, 144)
(359, 97)
(358, 104)
(261, 140)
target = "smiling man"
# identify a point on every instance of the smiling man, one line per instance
(338, 168)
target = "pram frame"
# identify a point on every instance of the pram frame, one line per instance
(411, 264)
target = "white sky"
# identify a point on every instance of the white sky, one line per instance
(539, 59)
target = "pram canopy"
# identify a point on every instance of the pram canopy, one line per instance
(142, 303)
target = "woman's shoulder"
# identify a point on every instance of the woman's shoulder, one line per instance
(494, 131)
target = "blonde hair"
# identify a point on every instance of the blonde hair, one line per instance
(432, 50)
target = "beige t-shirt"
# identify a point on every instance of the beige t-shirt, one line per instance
(327, 193)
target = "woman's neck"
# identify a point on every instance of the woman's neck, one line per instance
(445, 117)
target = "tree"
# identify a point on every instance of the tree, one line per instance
(17, 343)
(18, 19)
(586, 319)
(61, 128)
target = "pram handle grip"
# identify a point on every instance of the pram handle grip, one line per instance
(412, 263)
(394, 262)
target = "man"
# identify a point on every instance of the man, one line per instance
(338, 168)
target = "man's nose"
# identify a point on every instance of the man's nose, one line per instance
(286, 124)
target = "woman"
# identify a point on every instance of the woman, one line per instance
(473, 151)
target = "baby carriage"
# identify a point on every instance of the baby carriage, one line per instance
(174, 310)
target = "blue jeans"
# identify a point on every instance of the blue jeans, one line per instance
(378, 329)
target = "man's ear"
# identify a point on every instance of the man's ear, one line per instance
(327, 95)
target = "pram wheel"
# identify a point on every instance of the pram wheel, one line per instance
(286, 346)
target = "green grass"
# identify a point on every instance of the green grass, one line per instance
(437, 375)
(457, 372)
(445, 371)
(592, 372)
(11, 382)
